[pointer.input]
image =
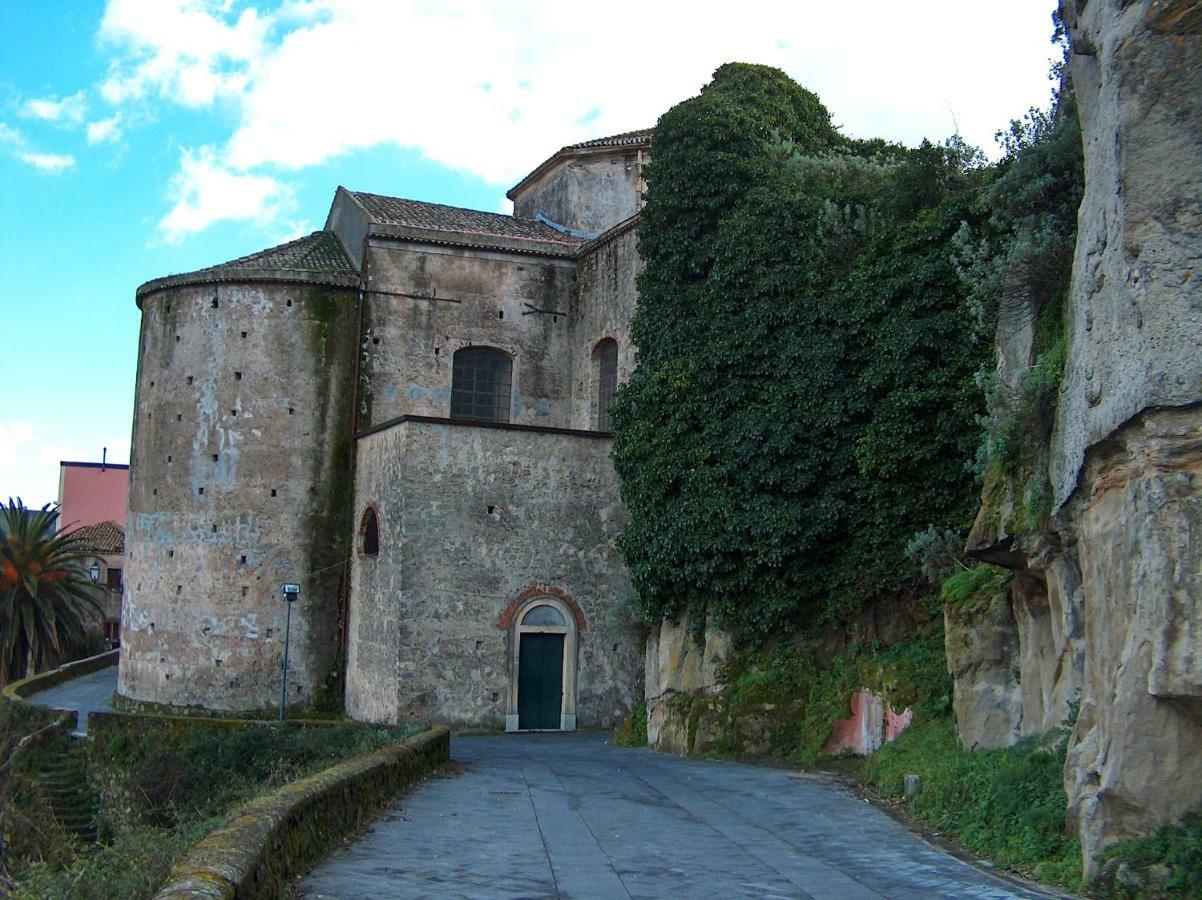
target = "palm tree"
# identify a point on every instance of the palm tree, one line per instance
(46, 598)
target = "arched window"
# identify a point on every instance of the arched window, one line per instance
(606, 353)
(369, 531)
(480, 379)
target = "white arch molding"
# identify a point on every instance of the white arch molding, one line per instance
(567, 713)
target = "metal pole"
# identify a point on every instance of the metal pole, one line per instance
(287, 635)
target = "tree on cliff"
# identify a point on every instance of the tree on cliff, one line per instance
(46, 598)
(806, 360)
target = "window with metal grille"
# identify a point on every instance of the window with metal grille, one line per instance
(480, 379)
(606, 352)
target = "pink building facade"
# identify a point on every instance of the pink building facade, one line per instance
(91, 493)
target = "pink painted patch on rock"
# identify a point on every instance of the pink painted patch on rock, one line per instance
(872, 723)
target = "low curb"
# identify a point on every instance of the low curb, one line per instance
(272, 840)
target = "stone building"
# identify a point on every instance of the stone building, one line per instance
(406, 413)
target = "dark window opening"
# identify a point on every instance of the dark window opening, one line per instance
(480, 383)
(607, 381)
(113, 579)
(370, 529)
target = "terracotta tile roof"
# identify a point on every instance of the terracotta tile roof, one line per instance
(320, 251)
(625, 139)
(457, 220)
(104, 537)
(316, 258)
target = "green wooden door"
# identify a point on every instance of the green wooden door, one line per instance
(540, 681)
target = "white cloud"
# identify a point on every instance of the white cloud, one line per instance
(68, 111)
(104, 130)
(30, 453)
(205, 191)
(186, 50)
(19, 147)
(52, 163)
(492, 88)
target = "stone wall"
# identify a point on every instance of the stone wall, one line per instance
(589, 192)
(472, 519)
(607, 296)
(239, 481)
(477, 297)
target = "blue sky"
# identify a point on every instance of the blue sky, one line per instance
(144, 137)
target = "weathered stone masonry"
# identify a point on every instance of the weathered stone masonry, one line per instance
(283, 395)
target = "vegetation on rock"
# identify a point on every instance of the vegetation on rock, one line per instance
(806, 360)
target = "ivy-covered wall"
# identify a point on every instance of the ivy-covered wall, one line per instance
(807, 361)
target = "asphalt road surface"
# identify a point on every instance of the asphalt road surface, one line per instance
(571, 816)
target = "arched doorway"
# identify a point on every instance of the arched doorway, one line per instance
(543, 667)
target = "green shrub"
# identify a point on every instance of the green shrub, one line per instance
(165, 785)
(1008, 804)
(975, 587)
(633, 730)
(1169, 863)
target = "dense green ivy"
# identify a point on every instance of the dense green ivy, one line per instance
(805, 389)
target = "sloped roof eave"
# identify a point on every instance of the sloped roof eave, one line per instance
(232, 275)
(585, 148)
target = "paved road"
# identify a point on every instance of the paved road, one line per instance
(84, 694)
(571, 816)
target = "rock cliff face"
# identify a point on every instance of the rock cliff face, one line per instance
(1107, 603)
(1126, 457)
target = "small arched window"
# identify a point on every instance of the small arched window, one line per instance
(369, 531)
(480, 381)
(606, 353)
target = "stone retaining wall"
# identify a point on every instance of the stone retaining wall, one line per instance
(275, 838)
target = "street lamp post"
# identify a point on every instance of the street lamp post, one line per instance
(94, 571)
(291, 594)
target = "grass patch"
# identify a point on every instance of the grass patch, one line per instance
(1008, 804)
(164, 785)
(633, 730)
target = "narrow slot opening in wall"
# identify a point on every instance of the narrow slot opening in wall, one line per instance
(168, 458)
(214, 457)
(436, 349)
(491, 510)
(200, 490)
(177, 338)
(171, 554)
(245, 590)
(273, 492)
(479, 645)
(152, 384)
(375, 341)
(214, 303)
(291, 410)
(244, 334)
(234, 412)
(179, 417)
(243, 560)
(155, 492)
(289, 302)
(189, 379)
(500, 313)
(214, 528)
(237, 376)
(179, 588)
